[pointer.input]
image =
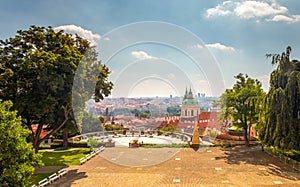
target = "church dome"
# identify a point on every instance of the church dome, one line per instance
(190, 102)
(189, 98)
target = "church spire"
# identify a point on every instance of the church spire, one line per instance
(186, 93)
(190, 94)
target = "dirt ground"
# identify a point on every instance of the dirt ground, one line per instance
(238, 166)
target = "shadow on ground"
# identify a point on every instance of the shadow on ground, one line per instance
(255, 156)
(69, 179)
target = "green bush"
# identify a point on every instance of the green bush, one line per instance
(223, 145)
(95, 143)
(55, 145)
(164, 145)
(78, 144)
(293, 154)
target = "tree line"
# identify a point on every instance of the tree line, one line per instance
(39, 68)
(276, 114)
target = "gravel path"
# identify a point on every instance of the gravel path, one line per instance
(238, 166)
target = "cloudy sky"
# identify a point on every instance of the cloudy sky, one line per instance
(158, 48)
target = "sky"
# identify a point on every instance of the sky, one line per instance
(161, 48)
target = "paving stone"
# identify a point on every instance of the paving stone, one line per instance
(278, 182)
(176, 180)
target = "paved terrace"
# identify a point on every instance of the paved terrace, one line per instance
(238, 166)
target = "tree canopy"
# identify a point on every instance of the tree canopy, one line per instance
(280, 124)
(17, 158)
(174, 110)
(37, 70)
(239, 103)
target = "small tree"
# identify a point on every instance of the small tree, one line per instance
(239, 103)
(17, 157)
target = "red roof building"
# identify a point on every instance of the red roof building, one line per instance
(43, 132)
(208, 120)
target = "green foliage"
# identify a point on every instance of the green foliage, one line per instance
(92, 142)
(174, 110)
(235, 129)
(109, 127)
(280, 124)
(37, 71)
(141, 114)
(78, 144)
(38, 177)
(241, 103)
(165, 145)
(63, 158)
(223, 145)
(169, 128)
(17, 157)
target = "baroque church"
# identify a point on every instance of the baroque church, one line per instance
(190, 107)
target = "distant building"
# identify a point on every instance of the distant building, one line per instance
(190, 106)
(209, 120)
(43, 133)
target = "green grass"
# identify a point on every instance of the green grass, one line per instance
(38, 177)
(222, 145)
(293, 154)
(66, 158)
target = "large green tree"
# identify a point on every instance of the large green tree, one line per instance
(17, 158)
(239, 103)
(281, 124)
(37, 69)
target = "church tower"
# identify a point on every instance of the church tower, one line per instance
(190, 106)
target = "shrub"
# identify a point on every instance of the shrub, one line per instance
(78, 144)
(92, 142)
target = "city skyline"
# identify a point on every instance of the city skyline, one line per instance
(161, 52)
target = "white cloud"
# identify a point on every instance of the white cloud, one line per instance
(219, 46)
(197, 46)
(251, 9)
(283, 18)
(219, 10)
(269, 10)
(142, 55)
(73, 29)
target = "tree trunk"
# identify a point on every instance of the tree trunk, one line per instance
(249, 132)
(36, 138)
(65, 137)
(246, 136)
(36, 147)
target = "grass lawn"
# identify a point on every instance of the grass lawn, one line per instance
(63, 158)
(38, 177)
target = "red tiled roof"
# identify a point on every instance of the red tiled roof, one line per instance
(208, 120)
(43, 132)
(208, 115)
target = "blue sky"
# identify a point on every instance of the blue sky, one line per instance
(237, 35)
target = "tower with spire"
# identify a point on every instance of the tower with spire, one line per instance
(190, 106)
